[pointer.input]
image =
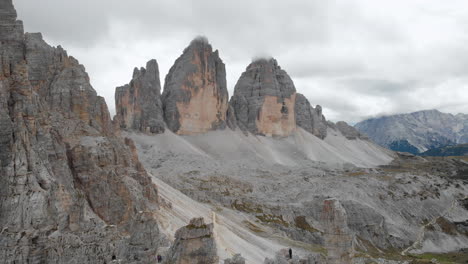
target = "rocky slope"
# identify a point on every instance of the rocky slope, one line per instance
(353, 214)
(138, 104)
(71, 189)
(417, 132)
(195, 94)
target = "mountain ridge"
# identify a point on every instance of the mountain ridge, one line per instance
(418, 131)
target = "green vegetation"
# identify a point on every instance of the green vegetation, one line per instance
(301, 223)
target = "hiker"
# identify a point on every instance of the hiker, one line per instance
(290, 253)
(159, 258)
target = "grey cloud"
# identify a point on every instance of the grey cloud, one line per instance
(356, 58)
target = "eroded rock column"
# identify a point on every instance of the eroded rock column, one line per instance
(264, 100)
(195, 95)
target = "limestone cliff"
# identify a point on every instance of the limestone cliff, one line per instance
(138, 104)
(264, 100)
(71, 189)
(195, 95)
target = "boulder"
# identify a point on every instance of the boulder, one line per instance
(138, 104)
(236, 259)
(264, 100)
(195, 97)
(194, 244)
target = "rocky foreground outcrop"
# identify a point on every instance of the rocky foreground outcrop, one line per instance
(195, 94)
(264, 100)
(71, 189)
(138, 104)
(194, 244)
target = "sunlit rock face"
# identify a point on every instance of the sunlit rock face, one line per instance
(138, 104)
(264, 100)
(195, 95)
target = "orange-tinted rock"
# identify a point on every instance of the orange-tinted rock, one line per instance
(195, 95)
(264, 100)
(71, 189)
(138, 104)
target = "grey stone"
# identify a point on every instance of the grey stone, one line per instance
(264, 99)
(138, 104)
(236, 259)
(195, 96)
(348, 131)
(194, 244)
(310, 119)
(71, 189)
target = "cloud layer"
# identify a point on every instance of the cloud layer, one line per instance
(356, 58)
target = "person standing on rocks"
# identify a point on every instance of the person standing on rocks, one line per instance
(290, 253)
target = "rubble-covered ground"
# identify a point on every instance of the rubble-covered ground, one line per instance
(410, 209)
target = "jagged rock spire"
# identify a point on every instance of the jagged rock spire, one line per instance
(195, 94)
(138, 104)
(264, 99)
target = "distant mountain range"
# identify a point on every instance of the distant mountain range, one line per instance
(417, 132)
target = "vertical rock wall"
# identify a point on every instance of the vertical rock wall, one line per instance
(71, 190)
(195, 95)
(138, 104)
(264, 100)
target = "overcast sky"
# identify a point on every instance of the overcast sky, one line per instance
(356, 58)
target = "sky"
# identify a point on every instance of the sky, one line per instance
(356, 58)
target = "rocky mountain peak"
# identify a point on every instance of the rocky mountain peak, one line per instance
(264, 99)
(195, 97)
(416, 132)
(67, 177)
(138, 104)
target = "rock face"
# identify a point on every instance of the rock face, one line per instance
(138, 104)
(348, 131)
(71, 189)
(264, 100)
(195, 94)
(236, 259)
(310, 119)
(417, 132)
(338, 239)
(194, 244)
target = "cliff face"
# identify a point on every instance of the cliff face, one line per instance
(309, 118)
(195, 95)
(138, 104)
(264, 100)
(71, 189)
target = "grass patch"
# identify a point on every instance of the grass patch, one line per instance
(275, 219)
(444, 258)
(301, 223)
